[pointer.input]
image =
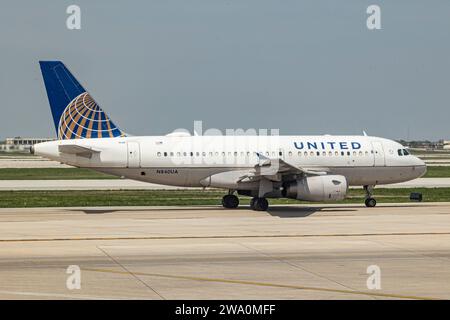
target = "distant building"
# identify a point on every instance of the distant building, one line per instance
(445, 144)
(19, 144)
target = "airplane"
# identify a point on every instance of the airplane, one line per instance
(309, 168)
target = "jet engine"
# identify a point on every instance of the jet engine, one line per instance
(317, 188)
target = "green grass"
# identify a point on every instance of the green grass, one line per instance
(51, 174)
(437, 172)
(20, 199)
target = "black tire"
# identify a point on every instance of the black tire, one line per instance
(230, 201)
(252, 203)
(261, 204)
(370, 202)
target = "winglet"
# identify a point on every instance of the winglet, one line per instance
(263, 160)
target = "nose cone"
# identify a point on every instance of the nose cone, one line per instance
(420, 168)
(47, 150)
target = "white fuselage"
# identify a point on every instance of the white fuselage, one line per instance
(192, 160)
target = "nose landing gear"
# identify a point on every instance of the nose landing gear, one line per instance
(370, 202)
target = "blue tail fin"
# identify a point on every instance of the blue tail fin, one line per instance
(75, 113)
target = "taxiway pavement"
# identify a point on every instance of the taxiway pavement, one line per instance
(207, 252)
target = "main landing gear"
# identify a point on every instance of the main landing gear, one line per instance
(230, 201)
(370, 202)
(259, 204)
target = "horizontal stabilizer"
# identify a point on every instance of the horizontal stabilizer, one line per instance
(77, 150)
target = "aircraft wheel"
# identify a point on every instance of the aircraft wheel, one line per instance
(370, 202)
(230, 201)
(260, 204)
(252, 203)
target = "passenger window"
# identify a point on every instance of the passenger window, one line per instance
(318, 153)
(348, 153)
(159, 154)
(165, 154)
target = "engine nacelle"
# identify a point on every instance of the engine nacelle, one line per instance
(317, 188)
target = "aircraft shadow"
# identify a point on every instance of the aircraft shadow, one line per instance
(303, 212)
(278, 211)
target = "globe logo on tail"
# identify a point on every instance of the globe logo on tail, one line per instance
(83, 118)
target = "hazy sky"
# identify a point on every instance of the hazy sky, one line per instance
(305, 67)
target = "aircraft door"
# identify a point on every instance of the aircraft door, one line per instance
(378, 154)
(281, 154)
(134, 155)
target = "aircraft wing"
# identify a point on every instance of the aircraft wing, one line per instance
(77, 150)
(276, 169)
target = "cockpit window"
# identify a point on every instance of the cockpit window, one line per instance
(405, 152)
(399, 151)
